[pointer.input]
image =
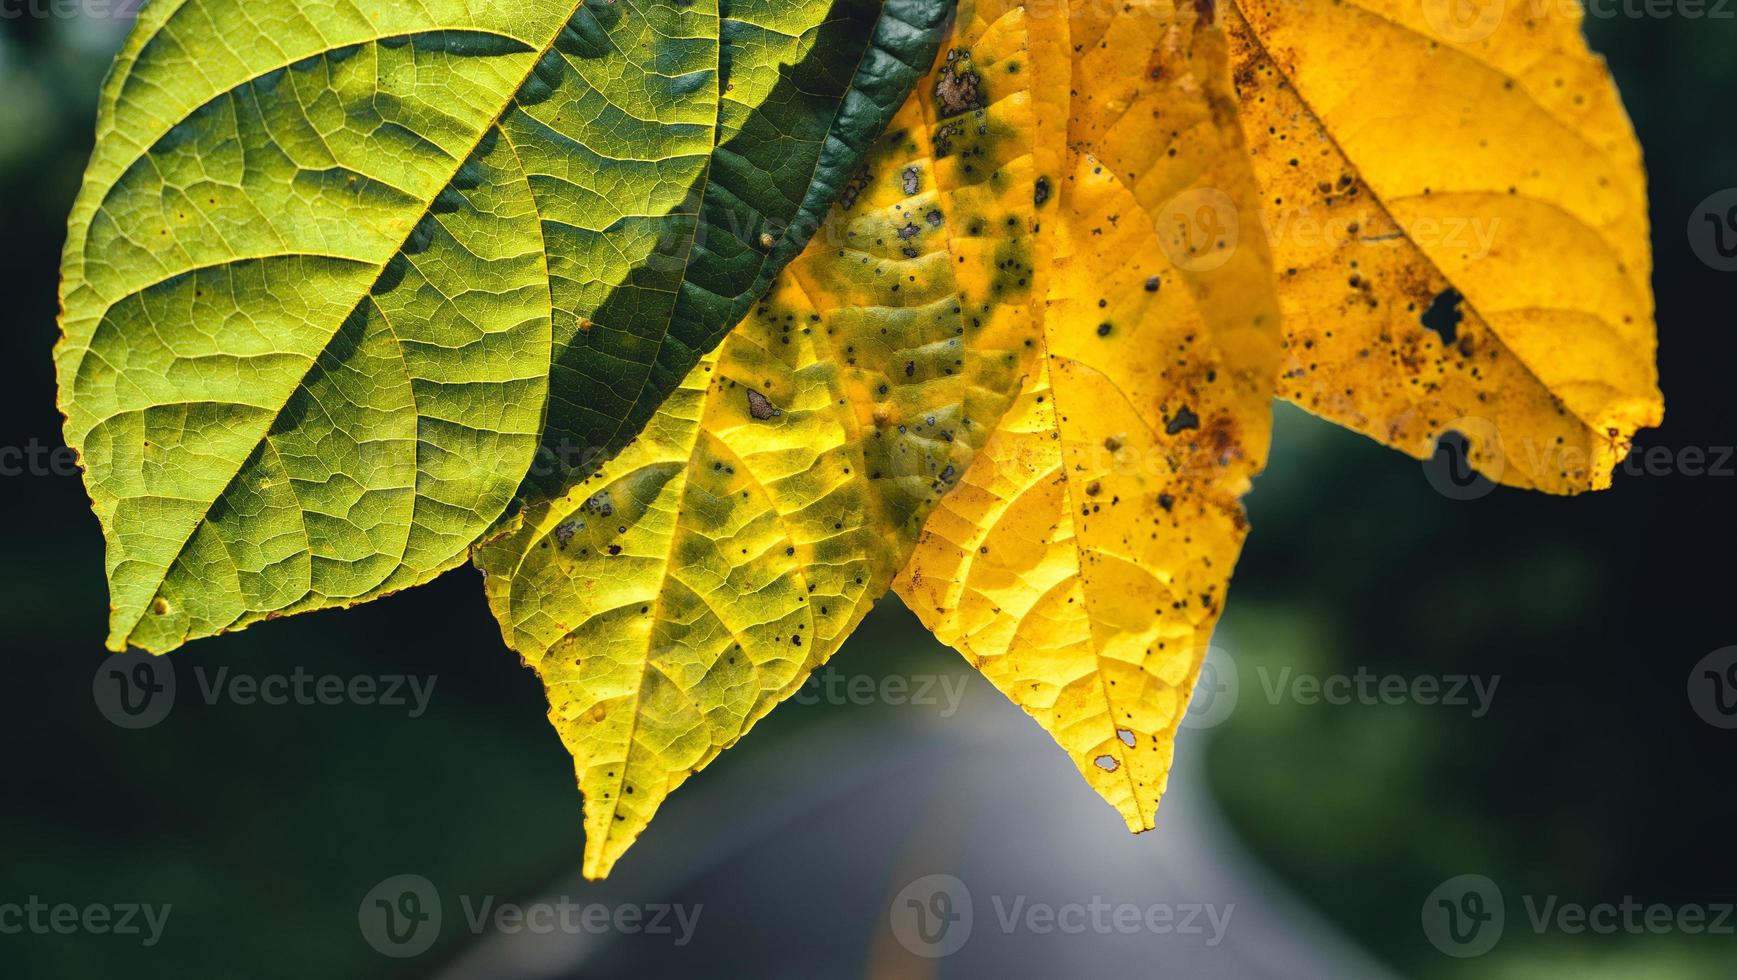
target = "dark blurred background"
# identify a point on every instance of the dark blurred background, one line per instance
(1599, 772)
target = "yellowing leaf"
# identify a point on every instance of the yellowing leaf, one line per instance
(675, 597)
(1459, 219)
(1082, 562)
(1068, 211)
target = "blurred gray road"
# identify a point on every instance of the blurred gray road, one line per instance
(834, 879)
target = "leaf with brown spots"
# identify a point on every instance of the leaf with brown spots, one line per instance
(1458, 213)
(1082, 562)
(696, 580)
(1065, 219)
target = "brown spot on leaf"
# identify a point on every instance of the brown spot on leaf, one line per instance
(958, 89)
(761, 408)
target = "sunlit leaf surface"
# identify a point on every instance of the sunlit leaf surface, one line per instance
(337, 270)
(674, 598)
(1459, 222)
(1083, 561)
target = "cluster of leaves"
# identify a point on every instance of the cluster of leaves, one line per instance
(700, 327)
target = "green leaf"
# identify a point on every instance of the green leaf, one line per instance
(672, 599)
(336, 272)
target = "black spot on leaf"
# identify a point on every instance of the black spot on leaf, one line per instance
(1444, 315)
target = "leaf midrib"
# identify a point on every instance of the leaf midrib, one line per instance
(705, 179)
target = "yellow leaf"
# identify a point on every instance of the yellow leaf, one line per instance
(1068, 210)
(1458, 215)
(1082, 562)
(697, 579)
